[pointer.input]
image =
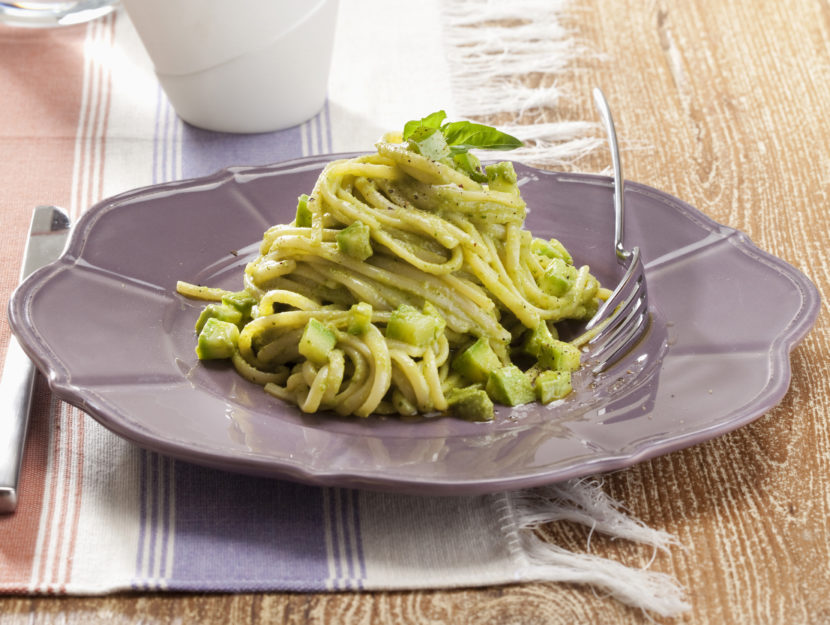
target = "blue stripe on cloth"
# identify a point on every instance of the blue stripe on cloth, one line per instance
(156, 513)
(143, 529)
(232, 532)
(348, 568)
(205, 152)
(239, 533)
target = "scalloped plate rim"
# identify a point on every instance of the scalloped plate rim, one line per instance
(59, 380)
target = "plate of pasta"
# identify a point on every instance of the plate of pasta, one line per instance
(385, 321)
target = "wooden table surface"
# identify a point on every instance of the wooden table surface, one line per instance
(729, 103)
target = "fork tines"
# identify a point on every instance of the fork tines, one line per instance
(622, 319)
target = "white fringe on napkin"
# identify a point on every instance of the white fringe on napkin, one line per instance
(583, 501)
(492, 45)
(555, 144)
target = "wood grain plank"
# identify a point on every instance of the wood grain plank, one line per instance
(723, 104)
(739, 97)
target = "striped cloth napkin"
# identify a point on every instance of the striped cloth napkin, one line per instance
(83, 118)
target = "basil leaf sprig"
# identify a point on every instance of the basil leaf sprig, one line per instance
(461, 136)
(430, 122)
(450, 142)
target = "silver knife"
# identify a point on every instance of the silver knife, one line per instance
(47, 239)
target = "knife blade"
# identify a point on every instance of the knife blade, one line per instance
(48, 233)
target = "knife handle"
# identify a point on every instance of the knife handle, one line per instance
(15, 403)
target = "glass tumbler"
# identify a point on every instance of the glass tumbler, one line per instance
(51, 13)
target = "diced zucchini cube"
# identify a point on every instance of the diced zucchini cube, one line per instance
(538, 336)
(470, 403)
(221, 312)
(559, 356)
(476, 362)
(411, 326)
(552, 385)
(242, 301)
(360, 316)
(558, 278)
(217, 339)
(502, 177)
(303, 219)
(317, 341)
(355, 240)
(510, 386)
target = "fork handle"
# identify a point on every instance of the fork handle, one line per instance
(15, 403)
(616, 163)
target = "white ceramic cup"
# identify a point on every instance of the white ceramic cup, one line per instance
(247, 66)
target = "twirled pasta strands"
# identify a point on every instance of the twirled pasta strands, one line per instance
(436, 241)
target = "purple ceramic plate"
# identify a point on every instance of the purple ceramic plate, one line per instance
(106, 327)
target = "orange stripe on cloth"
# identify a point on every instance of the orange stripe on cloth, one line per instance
(41, 81)
(62, 500)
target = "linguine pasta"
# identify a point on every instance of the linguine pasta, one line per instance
(404, 286)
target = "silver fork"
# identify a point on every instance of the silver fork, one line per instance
(623, 318)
